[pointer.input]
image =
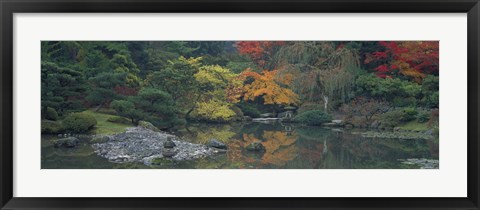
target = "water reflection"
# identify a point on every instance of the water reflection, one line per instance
(293, 146)
(287, 146)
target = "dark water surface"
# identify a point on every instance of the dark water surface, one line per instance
(287, 147)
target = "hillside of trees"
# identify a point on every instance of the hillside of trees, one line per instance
(171, 83)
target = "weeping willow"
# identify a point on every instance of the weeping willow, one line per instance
(303, 54)
(322, 72)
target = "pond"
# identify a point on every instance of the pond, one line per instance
(287, 146)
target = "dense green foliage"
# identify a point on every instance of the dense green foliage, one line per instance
(249, 110)
(51, 127)
(398, 116)
(158, 106)
(127, 109)
(78, 122)
(423, 116)
(313, 117)
(50, 114)
(170, 82)
(62, 88)
(399, 92)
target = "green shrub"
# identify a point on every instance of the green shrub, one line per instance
(430, 87)
(117, 119)
(107, 111)
(398, 116)
(391, 119)
(249, 110)
(423, 116)
(409, 114)
(310, 106)
(51, 127)
(431, 99)
(79, 122)
(313, 117)
(403, 101)
(51, 114)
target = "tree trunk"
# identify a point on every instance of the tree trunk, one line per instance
(187, 115)
(98, 107)
(325, 101)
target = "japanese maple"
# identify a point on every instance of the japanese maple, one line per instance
(261, 52)
(413, 59)
(267, 85)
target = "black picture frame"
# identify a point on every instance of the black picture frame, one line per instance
(9, 7)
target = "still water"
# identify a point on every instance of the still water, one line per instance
(288, 146)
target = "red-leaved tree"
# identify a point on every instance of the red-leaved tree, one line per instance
(261, 52)
(413, 59)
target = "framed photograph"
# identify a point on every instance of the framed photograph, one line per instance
(239, 105)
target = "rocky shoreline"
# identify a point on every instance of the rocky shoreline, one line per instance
(407, 135)
(423, 163)
(139, 144)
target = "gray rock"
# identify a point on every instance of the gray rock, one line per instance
(334, 123)
(340, 122)
(423, 163)
(169, 143)
(267, 115)
(100, 139)
(216, 150)
(68, 142)
(429, 132)
(337, 130)
(168, 152)
(247, 118)
(285, 115)
(216, 144)
(266, 120)
(139, 144)
(256, 147)
(147, 125)
(395, 135)
(396, 129)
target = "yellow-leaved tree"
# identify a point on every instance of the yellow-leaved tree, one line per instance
(214, 110)
(213, 105)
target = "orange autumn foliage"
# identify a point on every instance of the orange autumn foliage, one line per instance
(280, 148)
(268, 86)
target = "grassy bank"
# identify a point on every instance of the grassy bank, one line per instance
(104, 126)
(414, 126)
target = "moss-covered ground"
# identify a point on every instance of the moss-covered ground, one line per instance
(104, 126)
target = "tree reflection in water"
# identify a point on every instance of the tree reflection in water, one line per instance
(294, 146)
